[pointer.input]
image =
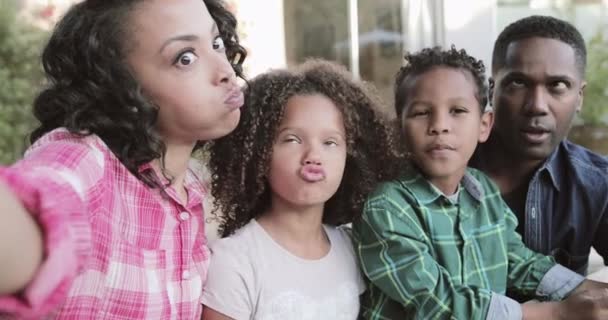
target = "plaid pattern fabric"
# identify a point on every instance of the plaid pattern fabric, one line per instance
(115, 249)
(426, 257)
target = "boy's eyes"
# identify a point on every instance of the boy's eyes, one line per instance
(424, 113)
(458, 110)
(419, 113)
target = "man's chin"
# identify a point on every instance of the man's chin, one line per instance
(538, 153)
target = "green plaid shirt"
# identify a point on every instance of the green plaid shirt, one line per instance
(425, 257)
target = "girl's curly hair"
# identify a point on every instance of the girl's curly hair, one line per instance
(239, 162)
(91, 90)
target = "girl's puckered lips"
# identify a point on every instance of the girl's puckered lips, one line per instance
(312, 173)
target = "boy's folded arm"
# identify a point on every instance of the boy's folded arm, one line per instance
(395, 255)
(50, 186)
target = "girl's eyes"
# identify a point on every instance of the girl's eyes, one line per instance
(185, 58)
(294, 139)
(291, 139)
(218, 43)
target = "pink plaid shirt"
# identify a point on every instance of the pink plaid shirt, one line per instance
(115, 249)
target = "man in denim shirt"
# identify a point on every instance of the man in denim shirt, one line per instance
(557, 189)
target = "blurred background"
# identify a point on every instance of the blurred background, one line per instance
(369, 37)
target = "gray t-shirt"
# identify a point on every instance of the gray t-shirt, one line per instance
(252, 277)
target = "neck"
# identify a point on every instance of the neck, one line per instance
(505, 167)
(299, 229)
(175, 165)
(447, 184)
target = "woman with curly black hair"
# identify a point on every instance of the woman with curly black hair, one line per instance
(103, 217)
(310, 145)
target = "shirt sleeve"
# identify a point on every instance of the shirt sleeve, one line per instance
(230, 284)
(600, 241)
(394, 252)
(52, 182)
(558, 283)
(526, 267)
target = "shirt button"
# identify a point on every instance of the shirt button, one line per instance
(184, 216)
(185, 275)
(533, 213)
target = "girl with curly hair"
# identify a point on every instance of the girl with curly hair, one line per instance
(103, 217)
(310, 145)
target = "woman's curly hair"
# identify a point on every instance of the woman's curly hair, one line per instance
(91, 90)
(420, 62)
(239, 162)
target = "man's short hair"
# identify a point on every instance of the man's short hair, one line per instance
(543, 27)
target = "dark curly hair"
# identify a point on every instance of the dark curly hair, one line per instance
(91, 90)
(420, 62)
(239, 162)
(543, 27)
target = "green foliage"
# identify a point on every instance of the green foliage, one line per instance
(21, 78)
(595, 105)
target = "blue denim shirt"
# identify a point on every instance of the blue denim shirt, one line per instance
(566, 210)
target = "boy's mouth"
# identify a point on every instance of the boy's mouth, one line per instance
(439, 150)
(312, 173)
(440, 146)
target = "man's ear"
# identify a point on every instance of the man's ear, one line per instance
(581, 97)
(485, 126)
(490, 90)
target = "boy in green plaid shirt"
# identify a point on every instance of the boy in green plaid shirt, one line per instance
(440, 243)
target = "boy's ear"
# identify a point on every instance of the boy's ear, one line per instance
(485, 126)
(490, 90)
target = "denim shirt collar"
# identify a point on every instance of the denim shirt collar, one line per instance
(555, 166)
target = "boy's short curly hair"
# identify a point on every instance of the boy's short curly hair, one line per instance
(543, 27)
(239, 162)
(420, 62)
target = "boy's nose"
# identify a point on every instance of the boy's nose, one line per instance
(439, 125)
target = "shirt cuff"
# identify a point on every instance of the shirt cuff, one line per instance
(558, 282)
(504, 308)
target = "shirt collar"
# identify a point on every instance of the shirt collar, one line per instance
(427, 193)
(554, 166)
(193, 182)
